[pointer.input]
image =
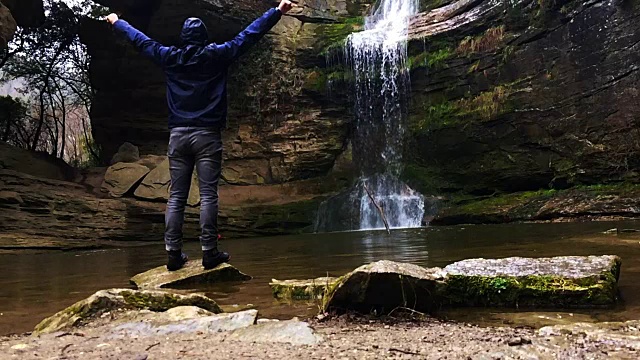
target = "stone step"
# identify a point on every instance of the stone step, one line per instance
(191, 274)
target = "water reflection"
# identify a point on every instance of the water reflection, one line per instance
(33, 286)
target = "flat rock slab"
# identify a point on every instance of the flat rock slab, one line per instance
(383, 286)
(567, 281)
(203, 324)
(292, 332)
(192, 274)
(301, 289)
(107, 300)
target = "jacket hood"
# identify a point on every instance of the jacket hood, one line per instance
(194, 32)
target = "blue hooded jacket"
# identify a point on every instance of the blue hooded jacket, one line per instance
(197, 71)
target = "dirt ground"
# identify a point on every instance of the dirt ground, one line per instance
(342, 339)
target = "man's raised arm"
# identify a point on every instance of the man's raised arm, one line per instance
(150, 48)
(233, 49)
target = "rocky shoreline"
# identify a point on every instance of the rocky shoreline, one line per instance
(155, 322)
(344, 337)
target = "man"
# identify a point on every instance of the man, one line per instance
(196, 76)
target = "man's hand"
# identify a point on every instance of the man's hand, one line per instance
(112, 18)
(285, 6)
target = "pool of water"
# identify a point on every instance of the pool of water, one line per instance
(36, 285)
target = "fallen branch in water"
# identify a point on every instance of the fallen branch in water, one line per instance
(384, 218)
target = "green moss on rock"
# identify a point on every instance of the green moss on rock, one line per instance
(562, 282)
(333, 36)
(104, 301)
(301, 289)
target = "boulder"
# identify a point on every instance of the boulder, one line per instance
(206, 324)
(8, 26)
(301, 289)
(127, 153)
(383, 286)
(107, 300)
(192, 274)
(157, 183)
(566, 281)
(291, 332)
(122, 178)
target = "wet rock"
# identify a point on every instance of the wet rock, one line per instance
(193, 273)
(567, 281)
(122, 177)
(107, 300)
(156, 185)
(301, 289)
(292, 332)
(206, 324)
(127, 153)
(384, 286)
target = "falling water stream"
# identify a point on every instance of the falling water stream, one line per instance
(377, 57)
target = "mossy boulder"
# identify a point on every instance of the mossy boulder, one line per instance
(192, 274)
(383, 286)
(301, 289)
(559, 282)
(104, 301)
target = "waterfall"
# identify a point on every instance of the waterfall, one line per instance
(377, 57)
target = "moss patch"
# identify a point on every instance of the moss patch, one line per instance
(333, 36)
(302, 289)
(489, 41)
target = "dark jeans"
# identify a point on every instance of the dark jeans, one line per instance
(202, 148)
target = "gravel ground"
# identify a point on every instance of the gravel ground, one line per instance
(342, 339)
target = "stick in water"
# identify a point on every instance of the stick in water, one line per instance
(384, 218)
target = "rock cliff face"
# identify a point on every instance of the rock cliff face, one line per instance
(282, 127)
(506, 97)
(524, 95)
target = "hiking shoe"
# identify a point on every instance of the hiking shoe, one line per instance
(177, 259)
(213, 258)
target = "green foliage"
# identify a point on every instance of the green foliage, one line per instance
(53, 67)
